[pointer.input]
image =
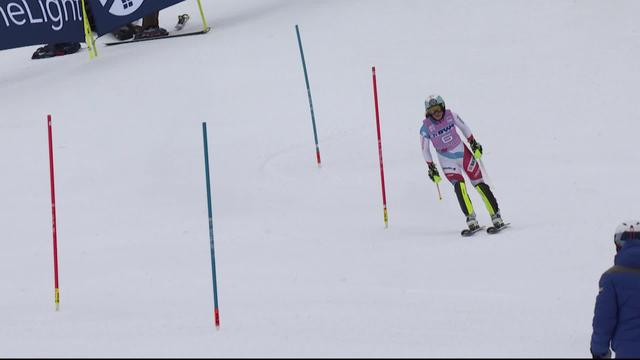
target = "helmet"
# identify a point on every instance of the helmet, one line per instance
(627, 230)
(433, 100)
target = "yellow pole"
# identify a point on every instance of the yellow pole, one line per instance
(88, 34)
(204, 21)
(386, 217)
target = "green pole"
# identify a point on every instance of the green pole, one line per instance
(204, 20)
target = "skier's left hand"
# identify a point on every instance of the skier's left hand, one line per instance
(433, 173)
(476, 148)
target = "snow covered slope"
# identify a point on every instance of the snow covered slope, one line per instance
(305, 265)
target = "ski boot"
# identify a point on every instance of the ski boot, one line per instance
(150, 33)
(473, 225)
(496, 219)
(498, 224)
(127, 32)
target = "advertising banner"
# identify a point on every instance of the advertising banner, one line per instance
(34, 22)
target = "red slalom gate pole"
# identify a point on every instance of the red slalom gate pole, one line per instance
(53, 217)
(384, 193)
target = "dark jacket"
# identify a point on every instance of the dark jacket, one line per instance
(616, 319)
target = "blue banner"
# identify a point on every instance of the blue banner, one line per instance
(109, 15)
(35, 22)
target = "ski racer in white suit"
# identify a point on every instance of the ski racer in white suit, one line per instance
(439, 129)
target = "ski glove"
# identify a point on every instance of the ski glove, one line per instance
(434, 175)
(605, 356)
(475, 147)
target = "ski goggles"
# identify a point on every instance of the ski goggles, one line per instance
(433, 110)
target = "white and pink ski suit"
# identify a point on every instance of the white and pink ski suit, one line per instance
(453, 155)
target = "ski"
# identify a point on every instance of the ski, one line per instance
(467, 232)
(182, 20)
(495, 230)
(159, 37)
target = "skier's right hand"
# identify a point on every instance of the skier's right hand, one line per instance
(434, 175)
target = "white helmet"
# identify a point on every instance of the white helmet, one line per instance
(433, 100)
(627, 230)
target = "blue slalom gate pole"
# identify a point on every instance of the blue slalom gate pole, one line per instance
(216, 313)
(306, 79)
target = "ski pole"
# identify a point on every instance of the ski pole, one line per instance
(436, 179)
(485, 175)
(477, 155)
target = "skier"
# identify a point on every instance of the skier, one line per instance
(616, 320)
(438, 128)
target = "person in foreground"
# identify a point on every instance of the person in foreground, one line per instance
(616, 319)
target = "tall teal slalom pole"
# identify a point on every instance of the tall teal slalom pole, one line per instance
(306, 79)
(216, 312)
